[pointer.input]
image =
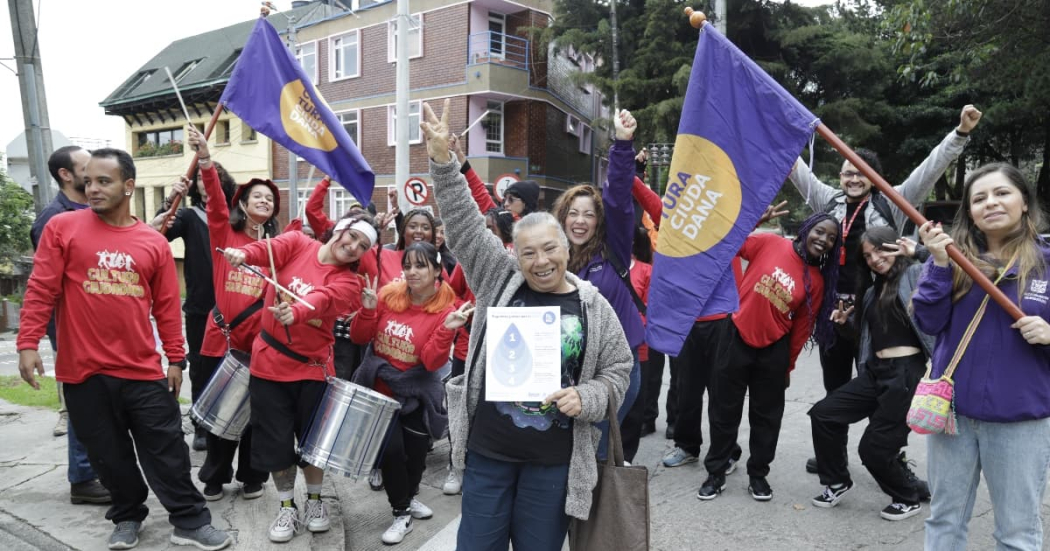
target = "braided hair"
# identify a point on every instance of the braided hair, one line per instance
(828, 264)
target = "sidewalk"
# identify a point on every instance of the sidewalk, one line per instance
(35, 512)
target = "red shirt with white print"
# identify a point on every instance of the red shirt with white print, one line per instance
(332, 290)
(103, 282)
(773, 299)
(235, 289)
(404, 339)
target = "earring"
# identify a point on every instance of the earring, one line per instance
(128, 193)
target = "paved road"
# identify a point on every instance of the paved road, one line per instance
(35, 512)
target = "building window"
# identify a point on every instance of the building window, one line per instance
(494, 127)
(572, 125)
(222, 133)
(413, 123)
(415, 38)
(352, 124)
(346, 55)
(585, 138)
(339, 202)
(185, 70)
(135, 82)
(159, 142)
(497, 34)
(306, 54)
(248, 133)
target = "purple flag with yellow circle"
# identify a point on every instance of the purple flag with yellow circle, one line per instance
(271, 93)
(738, 138)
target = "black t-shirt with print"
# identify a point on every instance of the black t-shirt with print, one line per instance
(528, 431)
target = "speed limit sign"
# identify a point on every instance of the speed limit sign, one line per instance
(503, 181)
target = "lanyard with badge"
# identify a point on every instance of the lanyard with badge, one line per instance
(846, 227)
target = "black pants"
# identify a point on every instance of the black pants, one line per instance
(652, 381)
(199, 374)
(881, 393)
(218, 463)
(346, 357)
(405, 459)
(115, 418)
(706, 346)
(760, 374)
(837, 362)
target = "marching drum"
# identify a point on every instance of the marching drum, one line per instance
(223, 408)
(348, 429)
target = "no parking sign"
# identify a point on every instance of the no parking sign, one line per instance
(416, 191)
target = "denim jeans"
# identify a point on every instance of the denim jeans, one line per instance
(1013, 457)
(79, 466)
(510, 502)
(628, 401)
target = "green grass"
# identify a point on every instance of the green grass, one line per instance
(13, 389)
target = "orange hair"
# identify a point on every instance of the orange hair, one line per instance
(396, 297)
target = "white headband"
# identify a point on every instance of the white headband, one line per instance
(365, 228)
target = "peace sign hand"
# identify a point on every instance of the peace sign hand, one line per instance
(840, 315)
(459, 318)
(436, 132)
(369, 298)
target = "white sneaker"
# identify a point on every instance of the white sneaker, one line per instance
(453, 483)
(375, 480)
(419, 510)
(316, 516)
(62, 426)
(396, 533)
(285, 526)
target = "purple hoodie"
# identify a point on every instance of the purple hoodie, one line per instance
(619, 237)
(1000, 378)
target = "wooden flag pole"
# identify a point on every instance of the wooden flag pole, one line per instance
(698, 19)
(192, 169)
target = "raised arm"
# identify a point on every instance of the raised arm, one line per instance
(616, 191)
(816, 193)
(314, 209)
(647, 198)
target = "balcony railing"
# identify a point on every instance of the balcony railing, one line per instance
(493, 47)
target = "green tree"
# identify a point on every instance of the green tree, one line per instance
(16, 217)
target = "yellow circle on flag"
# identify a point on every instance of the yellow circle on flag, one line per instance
(302, 120)
(702, 201)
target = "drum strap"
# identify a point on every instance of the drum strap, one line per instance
(221, 321)
(278, 346)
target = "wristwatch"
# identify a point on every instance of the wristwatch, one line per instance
(181, 364)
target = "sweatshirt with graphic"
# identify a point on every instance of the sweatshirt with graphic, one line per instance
(332, 290)
(773, 299)
(235, 289)
(103, 282)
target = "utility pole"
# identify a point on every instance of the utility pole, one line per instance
(403, 90)
(720, 16)
(615, 57)
(34, 104)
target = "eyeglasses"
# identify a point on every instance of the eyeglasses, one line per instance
(510, 199)
(851, 174)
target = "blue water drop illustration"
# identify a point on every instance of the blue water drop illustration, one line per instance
(512, 360)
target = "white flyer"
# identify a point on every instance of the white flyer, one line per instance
(523, 353)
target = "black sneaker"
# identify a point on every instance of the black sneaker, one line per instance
(648, 428)
(212, 492)
(669, 432)
(713, 486)
(831, 495)
(900, 511)
(760, 489)
(252, 490)
(920, 485)
(811, 465)
(200, 442)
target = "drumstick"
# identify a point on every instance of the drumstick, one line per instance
(277, 296)
(271, 282)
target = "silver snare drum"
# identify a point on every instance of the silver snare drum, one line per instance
(223, 408)
(348, 429)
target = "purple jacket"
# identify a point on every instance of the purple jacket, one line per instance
(1000, 378)
(619, 238)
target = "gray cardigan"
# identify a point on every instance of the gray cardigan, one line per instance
(909, 280)
(486, 265)
(819, 195)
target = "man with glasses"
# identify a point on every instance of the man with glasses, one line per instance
(858, 207)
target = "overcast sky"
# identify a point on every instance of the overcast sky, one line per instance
(88, 48)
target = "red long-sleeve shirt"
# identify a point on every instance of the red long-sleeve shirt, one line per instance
(773, 299)
(641, 275)
(404, 339)
(332, 290)
(235, 290)
(103, 282)
(314, 209)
